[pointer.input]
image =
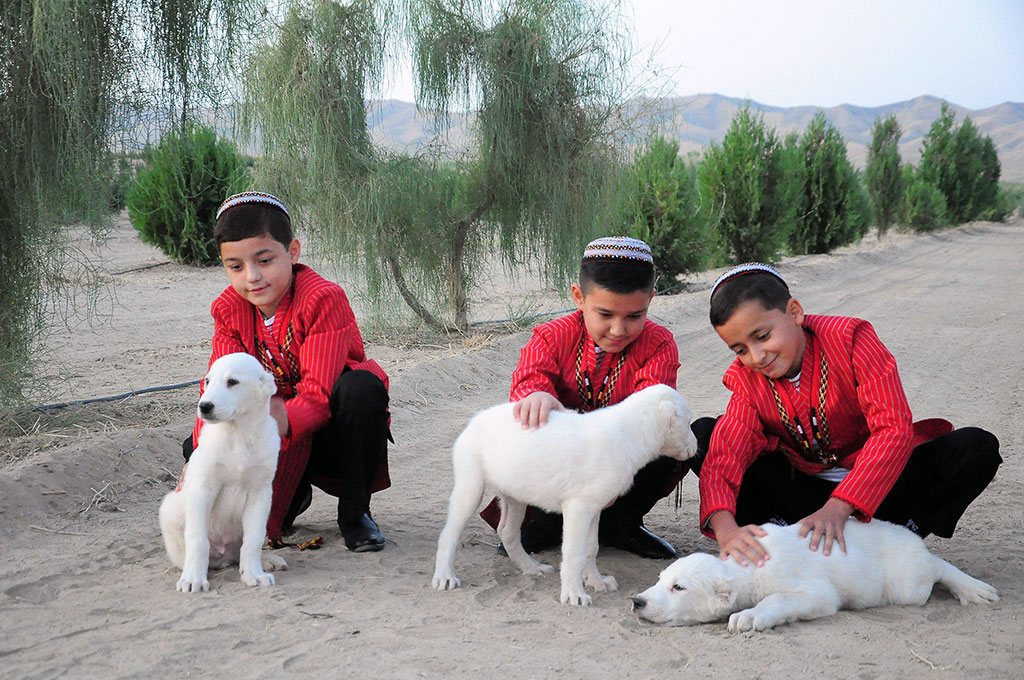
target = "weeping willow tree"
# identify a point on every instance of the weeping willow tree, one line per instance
(60, 64)
(72, 81)
(543, 78)
(193, 45)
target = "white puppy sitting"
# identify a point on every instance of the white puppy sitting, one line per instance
(884, 564)
(575, 464)
(219, 516)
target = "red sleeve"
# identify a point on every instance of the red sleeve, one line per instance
(226, 340)
(331, 336)
(661, 367)
(537, 370)
(737, 441)
(884, 404)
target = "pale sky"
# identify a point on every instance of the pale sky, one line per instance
(831, 52)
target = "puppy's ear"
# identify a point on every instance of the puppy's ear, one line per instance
(725, 596)
(667, 411)
(267, 384)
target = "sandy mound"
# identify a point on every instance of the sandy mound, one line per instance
(88, 592)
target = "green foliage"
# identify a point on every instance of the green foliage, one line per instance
(743, 187)
(58, 64)
(193, 44)
(1010, 201)
(540, 76)
(120, 183)
(925, 207)
(827, 214)
(883, 174)
(173, 203)
(662, 207)
(962, 165)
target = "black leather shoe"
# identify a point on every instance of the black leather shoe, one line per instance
(640, 541)
(300, 503)
(361, 534)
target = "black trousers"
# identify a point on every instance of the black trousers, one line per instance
(653, 482)
(941, 478)
(347, 453)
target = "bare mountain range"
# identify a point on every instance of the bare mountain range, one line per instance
(700, 119)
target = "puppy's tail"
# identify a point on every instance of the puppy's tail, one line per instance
(965, 588)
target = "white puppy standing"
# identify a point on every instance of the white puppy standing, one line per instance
(884, 564)
(219, 516)
(576, 465)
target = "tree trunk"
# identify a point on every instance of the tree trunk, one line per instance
(410, 299)
(458, 268)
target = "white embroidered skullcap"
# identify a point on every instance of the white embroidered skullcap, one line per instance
(748, 268)
(618, 248)
(251, 197)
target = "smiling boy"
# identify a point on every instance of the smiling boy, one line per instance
(818, 429)
(599, 355)
(331, 405)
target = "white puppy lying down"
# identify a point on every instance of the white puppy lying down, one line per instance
(884, 564)
(219, 517)
(575, 464)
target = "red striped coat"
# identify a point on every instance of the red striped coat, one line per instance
(325, 341)
(548, 362)
(869, 419)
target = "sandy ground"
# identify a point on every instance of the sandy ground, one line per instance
(87, 591)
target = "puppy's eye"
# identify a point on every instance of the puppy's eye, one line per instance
(678, 587)
(232, 382)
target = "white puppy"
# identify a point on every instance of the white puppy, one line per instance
(219, 517)
(884, 564)
(575, 464)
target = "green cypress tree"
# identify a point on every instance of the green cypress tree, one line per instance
(962, 165)
(826, 213)
(744, 190)
(662, 207)
(883, 174)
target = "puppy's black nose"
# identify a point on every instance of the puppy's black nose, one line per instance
(639, 603)
(205, 407)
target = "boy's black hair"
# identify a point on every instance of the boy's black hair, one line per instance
(253, 219)
(621, 276)
(765, 288)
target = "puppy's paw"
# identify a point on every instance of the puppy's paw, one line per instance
(538, 569)
(741, 621)
(446, 582)
(601, 583)
(576, 598)
(258, 579)
(187, 585)
(273, 562)
(980, 593)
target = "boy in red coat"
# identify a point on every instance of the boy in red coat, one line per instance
(818, 429)
(331, 405)
(597, 357)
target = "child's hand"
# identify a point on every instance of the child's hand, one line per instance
(738, 542)
(827, 524)
(532, 410)
(280, 414)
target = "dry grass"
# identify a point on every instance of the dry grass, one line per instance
(26, 433)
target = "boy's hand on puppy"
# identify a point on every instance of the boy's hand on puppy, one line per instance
(738, 542)
(181, 477)
(827, 524)
(280, 415)
(532, 410)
